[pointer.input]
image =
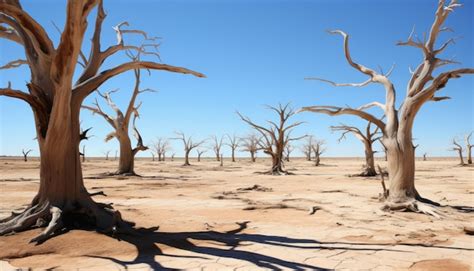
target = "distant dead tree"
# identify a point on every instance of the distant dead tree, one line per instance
(106, 153)
(307, 147)
(424, 156)
(422, 87)
(222, 160)
(250, 144)
(172, 156)
(469, 148)
(288, 150)
(368, 137)
(120, 124)
(83, 153)
(152, 156)
(25, 154)
(318, 150)
(233, 144)
(161, 146)
(216, 147)
(457, 147)
(115, 157)
(276, 137)
(83, 136)
(200, 153)
(189, 145)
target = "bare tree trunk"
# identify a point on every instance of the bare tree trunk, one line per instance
(126, 159)
(469, 156)
(461, 158)
(369, 161)
(233, 155)
(401, 171)
(159, 157)
(186, 158)
(252, 156)
(317, 160)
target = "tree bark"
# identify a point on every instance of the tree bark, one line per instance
(252, 156)
(126, 159)
(369, 161)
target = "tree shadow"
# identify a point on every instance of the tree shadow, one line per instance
(225, 245)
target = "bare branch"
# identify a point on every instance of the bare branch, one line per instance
(14, 64)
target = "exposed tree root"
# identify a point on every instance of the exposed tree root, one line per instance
(83, 214)
(412, 206)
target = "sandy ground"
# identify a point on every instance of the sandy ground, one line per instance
(203, 217)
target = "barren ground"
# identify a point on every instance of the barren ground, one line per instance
(207, 219)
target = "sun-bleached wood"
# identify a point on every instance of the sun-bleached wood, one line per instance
(275, 138)
(368, 137)
(457, 147)
(318, 150)
(421, 88)
(469, 148)
(56, 100)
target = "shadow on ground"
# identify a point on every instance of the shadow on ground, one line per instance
(225, 245)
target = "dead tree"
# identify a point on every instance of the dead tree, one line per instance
(424, 156)
(216, 147)
(307, 147)
(276, 137)
(368, 137)
(106, 153)
(199, 153)
(469, 148)
(288, 150)
(250, 144)
(422, 87)
(115, 157)
(457, 147)
(172, 156)
(152, 156)
(189, 145)
(83, 153)
(233, 144)
(318, 150)
(25, 154)
(161, 146)
(120, 124)
(55, 100)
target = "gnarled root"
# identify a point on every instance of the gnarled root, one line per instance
(412, 206)
(83, 214)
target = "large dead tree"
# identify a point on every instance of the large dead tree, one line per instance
(216, 147)
(161, 146)
(233, 144)
(457, 147)
(368, 137)
(276, 136)
(120, 124)
(62, 201)
(318, 150)
(469, 148)
(188, 144)
(422, 87)
(25, 154)
(250, 144)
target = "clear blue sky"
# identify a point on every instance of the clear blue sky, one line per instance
(256, 53)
